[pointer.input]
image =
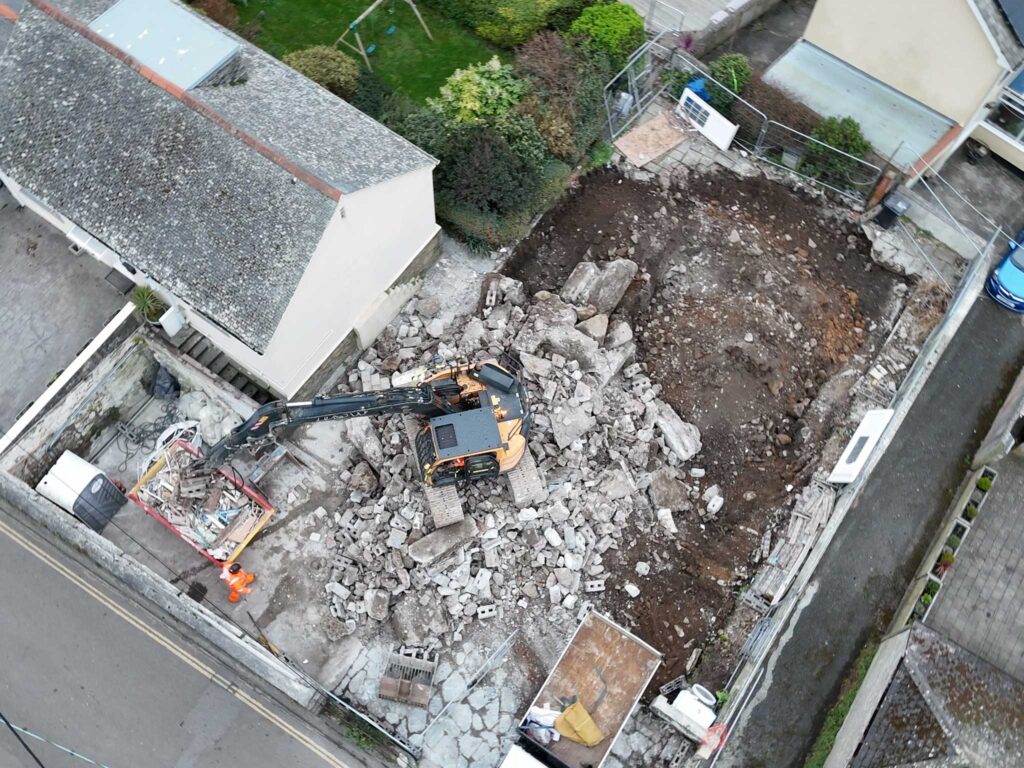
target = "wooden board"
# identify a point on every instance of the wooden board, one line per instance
(649, 141)
(627, 664)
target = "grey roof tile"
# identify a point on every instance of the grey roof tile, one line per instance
(945, 706)
(176, 193)
(204, 214)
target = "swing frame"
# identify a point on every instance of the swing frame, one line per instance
(353, 28)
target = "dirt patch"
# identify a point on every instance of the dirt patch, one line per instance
(750, 298)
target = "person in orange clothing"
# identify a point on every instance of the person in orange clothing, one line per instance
(238, 581)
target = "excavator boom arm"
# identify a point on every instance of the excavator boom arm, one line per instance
(272, 417)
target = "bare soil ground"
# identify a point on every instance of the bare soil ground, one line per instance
(751, 298)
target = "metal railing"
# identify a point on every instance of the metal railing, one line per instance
(662, 60)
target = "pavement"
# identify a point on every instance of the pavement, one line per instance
(52, 302)
(87, 668)
(980, 605)
(766, 39)
(877, 549)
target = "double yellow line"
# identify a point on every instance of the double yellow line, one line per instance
(203, 669)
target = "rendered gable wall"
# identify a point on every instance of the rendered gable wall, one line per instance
(935, 51)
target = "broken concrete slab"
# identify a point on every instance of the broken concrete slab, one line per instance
(667, 492)
(440, 542)
(681, 437)
(569, 424)
(596, 327)
(362, 434)
(601, 285)
(376, 602)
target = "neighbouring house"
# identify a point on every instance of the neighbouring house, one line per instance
(275, 219)
(927, 702)
(921, 76)
(949, 689)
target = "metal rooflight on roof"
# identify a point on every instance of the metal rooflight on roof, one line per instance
(168, 38)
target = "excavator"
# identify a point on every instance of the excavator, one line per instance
(467, 422)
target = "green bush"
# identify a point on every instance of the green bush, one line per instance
(509, 23)
(148, 303)
(733, 71)
(512, 22)
(479, 92)
(616, 29)
(970, 511)
(491, 167)
(567, 93)
(984, 483)
(947, 557)
(677, 80)
(372, 94)
(327, 66)
(953, 542)
(566, 12)
(491, 230)
(840, 133)
(931, 588)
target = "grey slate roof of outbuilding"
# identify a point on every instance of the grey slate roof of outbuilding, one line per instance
(945, 708)
(1006, 39)
(179, 196)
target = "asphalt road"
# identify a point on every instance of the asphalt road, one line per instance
(876, 551)
(86, 668)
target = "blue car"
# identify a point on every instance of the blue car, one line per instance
(1006, 283)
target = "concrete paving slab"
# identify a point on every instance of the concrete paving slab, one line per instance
(52, 302)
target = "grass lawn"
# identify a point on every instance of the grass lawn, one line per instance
(407, 60)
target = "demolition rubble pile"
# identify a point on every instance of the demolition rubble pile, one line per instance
(612, 455)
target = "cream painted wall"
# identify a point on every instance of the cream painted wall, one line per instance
(344, 287)
(935, 51)
(1000, 144)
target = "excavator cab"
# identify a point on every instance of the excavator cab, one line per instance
(486, 434)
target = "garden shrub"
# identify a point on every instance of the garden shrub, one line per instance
(984, 483)
(732, 70)
(567, 93)
(841, 133)
(970, 512)
(512, 22)
(371, 94)
(509, 23)
(677, 80)
(780, 106)
(327, 66)
(566, 12)
(478, 92)
(491, 167)
(613, 28)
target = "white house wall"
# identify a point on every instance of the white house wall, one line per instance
(935, 51)
(345, 287)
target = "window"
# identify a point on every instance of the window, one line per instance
(1008, 116)
(696, 112)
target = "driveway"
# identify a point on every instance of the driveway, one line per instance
(52, 302)
(876, 551)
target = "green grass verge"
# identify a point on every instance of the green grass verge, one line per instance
(847, 693)
(407, 60)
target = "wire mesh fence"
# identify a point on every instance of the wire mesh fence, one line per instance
(662, 67)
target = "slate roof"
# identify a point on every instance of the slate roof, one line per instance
(226, 219)
(1006, 39)
(945, 708)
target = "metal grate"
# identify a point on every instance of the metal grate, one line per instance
(446, 437)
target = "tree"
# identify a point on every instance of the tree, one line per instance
(327, 66)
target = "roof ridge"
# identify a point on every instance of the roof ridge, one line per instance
(302, 174)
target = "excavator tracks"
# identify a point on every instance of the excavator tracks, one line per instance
(526, 482)
(444, 503)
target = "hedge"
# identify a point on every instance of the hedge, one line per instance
(615, 29)
(509, 23)
(327, 66)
